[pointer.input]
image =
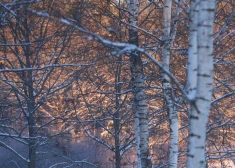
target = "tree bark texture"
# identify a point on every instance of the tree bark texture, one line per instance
(138, 90)
(192, 50)
(166, 84)
(200, 106)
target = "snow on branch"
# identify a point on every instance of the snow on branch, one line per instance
(14, 151)
(121, 48)
(44, 67)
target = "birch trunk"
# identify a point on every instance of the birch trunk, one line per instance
(192, 50)
(138, 90)
(201, 105)
(167, 89)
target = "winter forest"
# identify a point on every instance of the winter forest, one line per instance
(117, 84)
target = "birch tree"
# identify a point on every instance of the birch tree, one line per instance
(138, 90)
(168, 38)
(108, 87)
(192, 49)
(200, 102)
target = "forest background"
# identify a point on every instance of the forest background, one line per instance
(114, 83)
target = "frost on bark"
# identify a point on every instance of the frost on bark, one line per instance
(138, 89)
(166, 84)
(200, 106)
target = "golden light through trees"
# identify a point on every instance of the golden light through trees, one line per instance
(110, 83)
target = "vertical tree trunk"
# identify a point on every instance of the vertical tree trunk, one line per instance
(192, 50)
(31, 122)
(167, 89)
(201, 105)
(32, 141)
(138, 90)
(117, 144)
(116, 115)
(29, 90)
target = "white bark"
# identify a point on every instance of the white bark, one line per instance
(201, 105)
(138, 90)
(167, 89)
(137, 138)
(192, 50)
(133, 6)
